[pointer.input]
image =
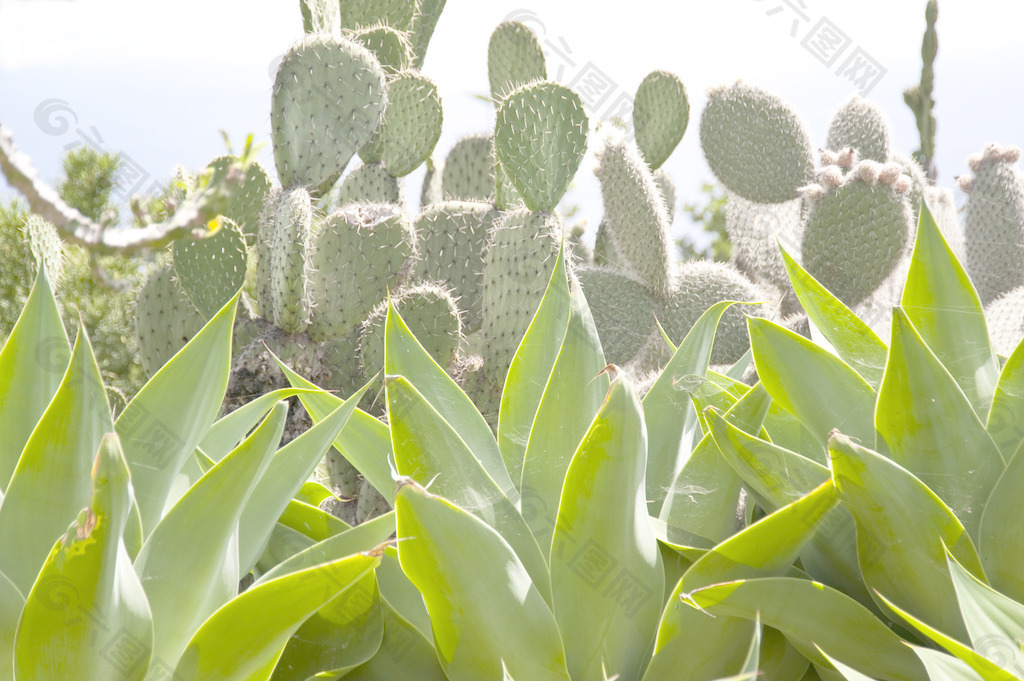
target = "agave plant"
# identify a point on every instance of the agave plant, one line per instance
(125, 541)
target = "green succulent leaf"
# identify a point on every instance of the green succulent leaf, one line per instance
(244, 639)
(606, 570)
(692, 644)
(189, 563)
(52, 481)
(32, 365)
(1004, 423)
(161, 427)
(669, 411)
(404, 653)
(11, 605)
(944, 307)
(1001, 543)
(86, 616)
(429, 451)
(902, 528)
(816, 617)
(479, 625)
(931, 429)
(854, 341)
(821, 390)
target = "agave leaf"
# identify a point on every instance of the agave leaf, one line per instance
(530, 370)
(945, 668)
(994, 622)
(786, 431)
(821, 390)
(404, 654)
(853, 340)
(227, 432)
(478, 624)
(311, 521)
(669, 411)
(244, 639)
(816, 617)
(428, 450)
(402, 595)
(365, 442)
(780, 661)
(606, 570)
(32, 365)
(340, 636)
(86, 616)
(167, 419)
(1004, 421)
(901, 529)
(849, 673)
(931, 429)
(284, 543)
(981, 664)
(572, 396)
(404, 356)
(285, 475)
(704, 497)
(691, 644)
(943, 306)
(52, 481)
(189, 563)
(1002, 543)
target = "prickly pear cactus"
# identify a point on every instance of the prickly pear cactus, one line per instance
(859, 228)
(661, 112)
(755, 144)
(369, 183)
(165, 319)
(329, 95)
(283, 259)
(411, 124)
(46, 247)
(359, 251)
(623, 309)
(211, 270)
(514, 58)
(994, 221)
(431, 313)
(468, 173)
(861, 125)
(540, 136)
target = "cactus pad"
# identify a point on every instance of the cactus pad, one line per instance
(1005, 318)
(755, 144)
(623, 311)
(668, 192)
(756, 230)
(522, 249)
(453, 236)
(282, 260)
(858, 229)
(701, 284)
(212, 269)
(861, 125)
(514, 58)
(469, 170)
(636, 215)
(248, 201)
(391, 48)
(328, 98)
(994, 221)
(661, 112)
(412, 123)
(397, 14)
(361, 251)
(369, 183)
(430, 313)
(540, 136)
(165, 320)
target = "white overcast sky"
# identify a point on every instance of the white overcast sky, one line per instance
(158, 81)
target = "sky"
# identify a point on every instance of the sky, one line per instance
(158, 83)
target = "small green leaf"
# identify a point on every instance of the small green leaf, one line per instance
(32, 365)
(994, 622)
(171, 414)
(944, 307)
(227, 432)
(479, 624)
(1005, 424)
(902, 528)
(606, 570)
(821, 390)
(52, 481)
(87, 601)
(931, 429)
(853, 340)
